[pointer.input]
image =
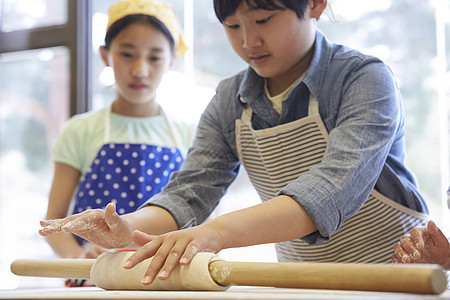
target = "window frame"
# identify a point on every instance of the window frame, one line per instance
(76, 35)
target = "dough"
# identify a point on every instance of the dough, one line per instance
(108, 273)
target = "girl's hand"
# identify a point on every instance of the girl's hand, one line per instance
(423, 245)
(101, 227)
(170, 249)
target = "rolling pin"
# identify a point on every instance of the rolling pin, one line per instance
(207, 272)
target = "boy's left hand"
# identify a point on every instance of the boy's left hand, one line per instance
(170, 249)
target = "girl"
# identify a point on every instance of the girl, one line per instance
(319, 128)
(123, 154)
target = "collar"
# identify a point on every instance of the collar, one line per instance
(252, 85)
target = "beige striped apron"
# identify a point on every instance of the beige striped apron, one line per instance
(276, 156)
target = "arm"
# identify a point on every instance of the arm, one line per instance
(65, 180)
(276, 220)
(423, 245)
(107, 229)
(363, 120)
(64, 183)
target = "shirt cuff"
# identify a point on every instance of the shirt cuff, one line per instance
(323, 212)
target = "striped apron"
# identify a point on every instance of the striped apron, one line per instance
(276, 156)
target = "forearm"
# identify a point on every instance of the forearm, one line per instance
(276, 220)
(279, 219)
(64, 245)
(152, 220)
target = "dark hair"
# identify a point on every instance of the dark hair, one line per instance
(226, 8)
(120, 24)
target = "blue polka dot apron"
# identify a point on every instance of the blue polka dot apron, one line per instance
(127, 174)
(276, 156)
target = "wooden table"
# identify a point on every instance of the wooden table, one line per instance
(232, 293)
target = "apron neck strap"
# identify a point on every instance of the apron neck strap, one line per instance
(107, 124)
(313, 106)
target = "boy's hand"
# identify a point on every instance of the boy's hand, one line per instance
(104, 228)
(171, 249)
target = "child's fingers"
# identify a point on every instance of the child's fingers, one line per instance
(419, 236)
(146, 251)
(117, 225)
(111, 217)
(78, 225)
(44, 223)
(395, 259)
(50, 227)
(172, 261)
(179, 254)
(436, 235)
(189, 253)
(431, 226)
(409, 248)
(140, 238)
(401, 254)
(81, 222)
(156, 264)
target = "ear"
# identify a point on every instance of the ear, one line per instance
(104, 55)
(317, 7)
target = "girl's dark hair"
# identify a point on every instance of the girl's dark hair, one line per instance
(118, 26)
(226, 8)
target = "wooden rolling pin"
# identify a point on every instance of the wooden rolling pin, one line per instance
(208, 272)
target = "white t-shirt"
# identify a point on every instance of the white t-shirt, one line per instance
(277, 100)
(84, 134)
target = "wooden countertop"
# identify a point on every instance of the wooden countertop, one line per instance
(232, 293)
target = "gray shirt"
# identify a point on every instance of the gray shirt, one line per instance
(360, 105)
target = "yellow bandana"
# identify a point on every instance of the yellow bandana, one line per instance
(161, 11)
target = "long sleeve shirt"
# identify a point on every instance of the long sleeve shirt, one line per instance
(360, 105)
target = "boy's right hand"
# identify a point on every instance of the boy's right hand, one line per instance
(104, 228)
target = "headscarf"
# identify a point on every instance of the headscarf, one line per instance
(163, 12)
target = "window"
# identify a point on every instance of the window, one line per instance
(28, 14)
(50, 69)
(38, 93)
(416, 52)
(34, 93)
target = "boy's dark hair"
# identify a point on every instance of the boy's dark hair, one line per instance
(226, 8)
(115, 28)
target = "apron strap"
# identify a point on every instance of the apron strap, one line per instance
(107, 124)
(313, 107)
(247, 115)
